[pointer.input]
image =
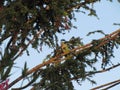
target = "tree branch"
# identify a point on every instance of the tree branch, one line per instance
(112, 86)
(111, 36)
(116, 82)
(81, 4)
(100, 71)
(24, 48)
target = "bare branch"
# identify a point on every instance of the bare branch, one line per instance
(114, 82)
(111, 86)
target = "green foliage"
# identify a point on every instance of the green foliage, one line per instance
(25, 69)
(21, 17)
(35, 23)
(98, 31)
(59, 74)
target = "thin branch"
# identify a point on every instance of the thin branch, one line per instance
(111, 36)
(108, 69)
(111, 86)
(80, 5)
(116, 81)
(25, 86)
(100, 71)
(24, 48)
(4, 38)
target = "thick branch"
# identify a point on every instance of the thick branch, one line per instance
(111, 36)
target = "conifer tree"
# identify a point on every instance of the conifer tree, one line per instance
(36, 23)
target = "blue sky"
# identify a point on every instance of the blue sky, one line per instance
(108, 13)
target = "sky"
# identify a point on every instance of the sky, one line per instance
(108, 13)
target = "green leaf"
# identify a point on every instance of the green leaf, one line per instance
(25, 69)
(97, 31)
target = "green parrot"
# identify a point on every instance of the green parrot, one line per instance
(66, 49)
